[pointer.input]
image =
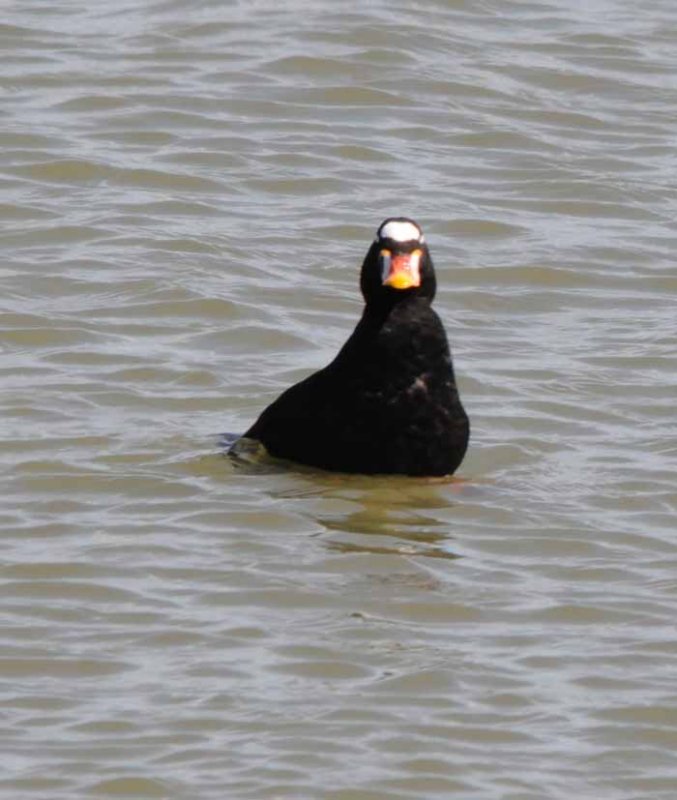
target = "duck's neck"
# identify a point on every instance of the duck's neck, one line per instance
(402, 336)
(398, 318)
(399, 311)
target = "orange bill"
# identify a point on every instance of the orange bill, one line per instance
(402, 270)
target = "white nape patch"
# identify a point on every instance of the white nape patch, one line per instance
(400, 231)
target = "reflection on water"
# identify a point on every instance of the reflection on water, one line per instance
(370, 505)
(388, 520)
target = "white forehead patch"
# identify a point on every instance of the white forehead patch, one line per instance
(400, 231)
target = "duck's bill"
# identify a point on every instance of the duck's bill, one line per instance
(401, 270)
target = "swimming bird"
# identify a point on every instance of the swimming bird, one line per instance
(388, 403)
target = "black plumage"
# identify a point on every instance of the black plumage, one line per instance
(388, 403)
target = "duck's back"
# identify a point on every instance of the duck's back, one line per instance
(388, 403)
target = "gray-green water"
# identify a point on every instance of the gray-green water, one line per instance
(189, 189)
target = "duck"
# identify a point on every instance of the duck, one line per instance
(388, 403)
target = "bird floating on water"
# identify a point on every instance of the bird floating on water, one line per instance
(388, 403)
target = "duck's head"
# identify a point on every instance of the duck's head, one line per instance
(398, 264)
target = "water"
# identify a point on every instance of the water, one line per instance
(189, 189)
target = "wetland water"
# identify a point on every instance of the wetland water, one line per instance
(189, 189)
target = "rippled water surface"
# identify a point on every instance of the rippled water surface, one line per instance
(189, 189)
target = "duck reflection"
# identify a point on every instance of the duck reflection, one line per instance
(382, 515)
